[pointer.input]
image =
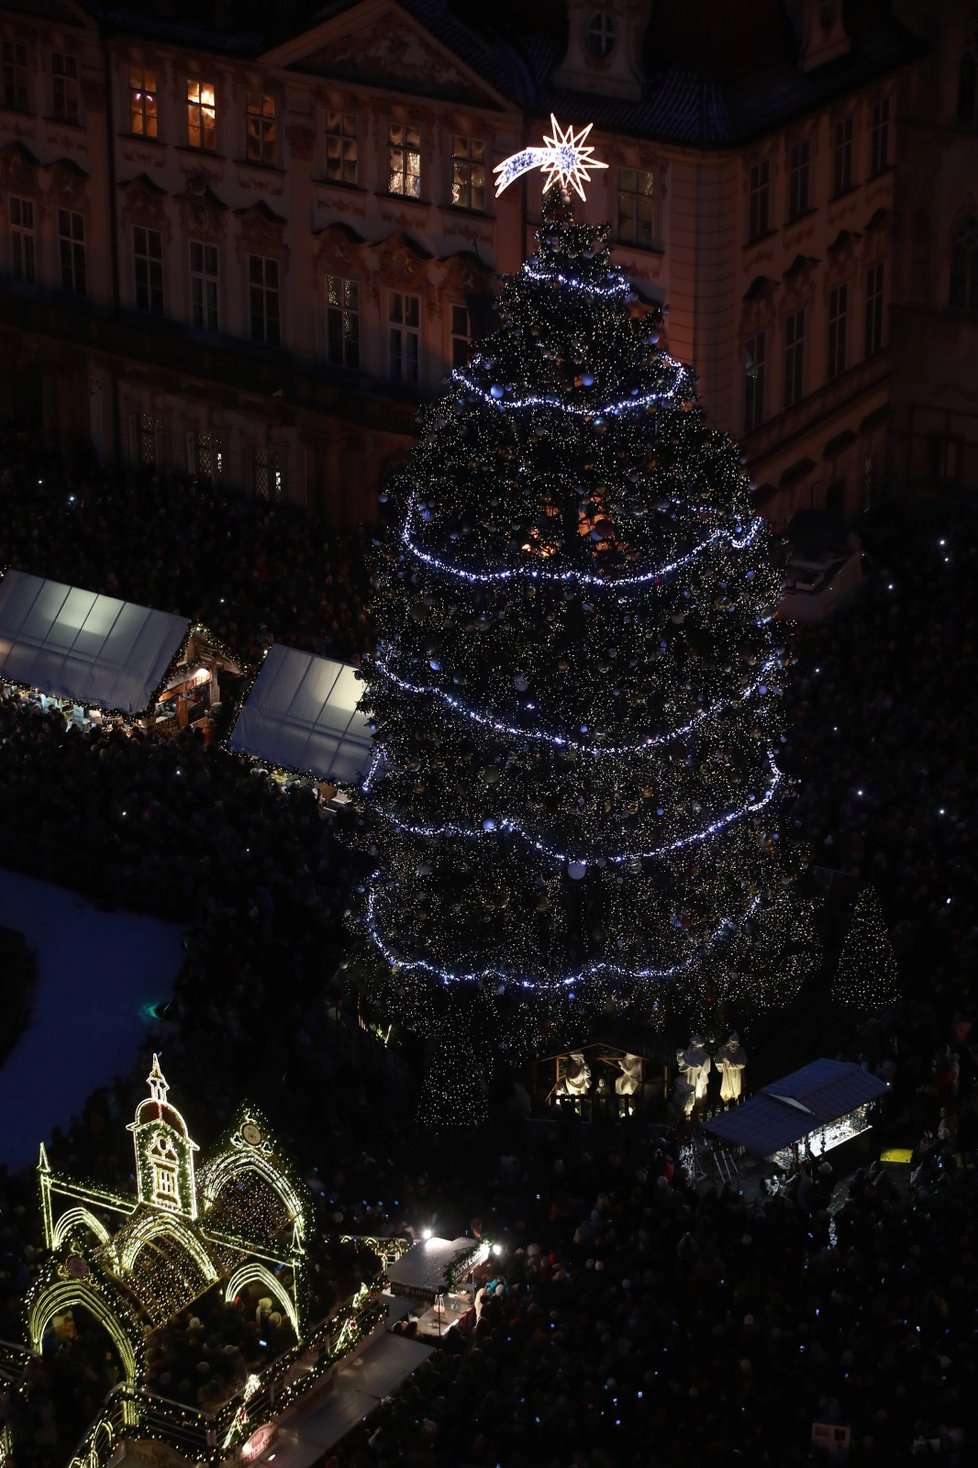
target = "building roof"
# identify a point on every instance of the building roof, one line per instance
(301, 714)
(77, 644)
(787, 1110)
(716, 74)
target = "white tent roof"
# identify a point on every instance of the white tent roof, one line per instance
(79, 645)
(301, 714)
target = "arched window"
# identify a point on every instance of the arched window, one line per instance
(601, 35)
(968, 82)
(964, 267)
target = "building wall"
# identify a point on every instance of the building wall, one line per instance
(934, 435)
(262, 396)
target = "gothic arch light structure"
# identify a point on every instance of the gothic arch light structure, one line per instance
(139, 1257)
(151, 1227)
(68, 1294)
(78, 1218)
(234, 1165)
(255, 1273)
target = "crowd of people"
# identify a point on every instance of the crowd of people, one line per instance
(637, 1317)
(251, 570)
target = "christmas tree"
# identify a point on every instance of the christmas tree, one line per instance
(574, 794)
(866, 979)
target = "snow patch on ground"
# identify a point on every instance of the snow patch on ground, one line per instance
(99, 975)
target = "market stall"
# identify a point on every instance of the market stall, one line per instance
(803, 1115)
(301, 716)
(94, 655)
(435, 1279)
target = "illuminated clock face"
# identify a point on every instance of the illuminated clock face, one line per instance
(251, 1133)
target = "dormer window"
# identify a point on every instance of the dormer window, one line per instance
(601, 35)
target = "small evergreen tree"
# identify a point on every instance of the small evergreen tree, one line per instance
(866, 979)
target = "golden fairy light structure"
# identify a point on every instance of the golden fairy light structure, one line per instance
(135, 1260)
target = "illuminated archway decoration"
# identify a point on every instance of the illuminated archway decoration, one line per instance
(153, 1226)
(78, 1218)
(255, 1273)
(66, 1295)
(231, 1165)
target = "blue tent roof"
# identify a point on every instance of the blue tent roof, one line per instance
(787, 1110)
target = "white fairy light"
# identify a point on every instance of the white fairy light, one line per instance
(564, 159)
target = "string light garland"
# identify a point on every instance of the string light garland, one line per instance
(575, 698)
(564, 741)
(506, 825)
(567, 981)
(738, 538)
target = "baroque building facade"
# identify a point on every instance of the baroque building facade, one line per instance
(249, 253)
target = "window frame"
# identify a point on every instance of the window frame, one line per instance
(795, 332)
(343, 138)
(879, 138)
(842, 171)
(759, 193)
(966, 110)
(464, 163)
(144, 103)
(460, 341)
(799, 179)
(601, 35)
(341, 346)
(404, 368)
(837, 335)
(23, 239)
(631, 234)
(203, 109)
(755, 380)
(261, 129)
(403, 169)
(147, 271)
(65, 90)
(874, 335)
(267, 294)
(205, 301)
(964, 268)
(15, 75)
(72, 256)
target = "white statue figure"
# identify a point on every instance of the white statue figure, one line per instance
(695, 1065)
(631, 1075)
(731, 1061)
(576, 1077)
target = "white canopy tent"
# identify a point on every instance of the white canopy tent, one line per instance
(94, 649)
(301, 714)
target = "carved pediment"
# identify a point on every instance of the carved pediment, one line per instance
(18, 169)
(387, 51)
(401, 260)
(338, 249)
(144, 202)
(261, 231)
(202, 213)
(467, 274)
(67, 181)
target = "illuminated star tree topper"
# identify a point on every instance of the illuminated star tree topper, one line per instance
(565, 159)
